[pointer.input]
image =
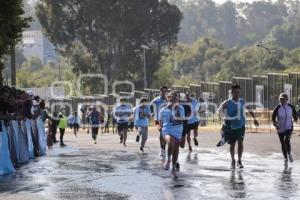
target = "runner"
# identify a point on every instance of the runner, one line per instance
(282, 119)
(88, 120)
(122, 113)
(187, 110)
(94, 118)
(156, 106)
(62, 125)
(142, 114)
(233, 111)
(298, 108)
(193, 121)
(74, 122)
(172, 126)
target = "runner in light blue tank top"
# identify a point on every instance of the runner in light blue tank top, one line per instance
(233, 112)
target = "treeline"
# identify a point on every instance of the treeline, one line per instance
(217, 42)
(241, 24)
(208, 60)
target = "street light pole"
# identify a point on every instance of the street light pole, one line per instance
(269, 50)
(59, 75)
(145, 75)
(13, 65)
(145, 71)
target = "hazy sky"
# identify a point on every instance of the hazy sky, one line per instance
(222, 1)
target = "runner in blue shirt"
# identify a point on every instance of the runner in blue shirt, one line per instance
(142, 114)
(156, 106)
(122, 113)
(234, 114)
(193, 120)
(171, 121)
(94, 117)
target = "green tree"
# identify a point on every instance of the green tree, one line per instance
(228, 15)
(32, 64)
(112, 31)
(12, 24)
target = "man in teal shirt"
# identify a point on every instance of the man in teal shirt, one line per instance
(234, 114)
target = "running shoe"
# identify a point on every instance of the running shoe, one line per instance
(137, 138)
(141, 149)
(233, 164)
(95, 142)
(291, 158)
(173, 172)
(239, 164)
(196, 141)
(63, 144)
(163, 153)
(177, 167)
(286, 161)
(190, 148)
(167, 165)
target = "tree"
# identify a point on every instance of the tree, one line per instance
(12, 24)
(287, 35)
(32, 64)
(228, 14)
(111, 31)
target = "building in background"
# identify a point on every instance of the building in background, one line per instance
(35, 44)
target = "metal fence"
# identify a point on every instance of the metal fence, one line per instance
(277, 83)
(260, 88)
(196, 90)
(225, 90)
(294, 80)
(246, 85)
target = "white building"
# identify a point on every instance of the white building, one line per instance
(35, 44)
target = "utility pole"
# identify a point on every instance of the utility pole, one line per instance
(145, 71)
(12, 65)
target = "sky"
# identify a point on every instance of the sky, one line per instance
(222, 1)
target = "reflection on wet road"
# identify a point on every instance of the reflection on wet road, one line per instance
(205, 174)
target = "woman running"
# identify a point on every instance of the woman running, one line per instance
(282, 119)
(171, 117)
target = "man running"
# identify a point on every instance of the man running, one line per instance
(62, 125)
(142, 114)
(282, 119)
(171, 122)
(156, 106)
(193, 120)
(122, 113)
(94, 117)
(233, 111)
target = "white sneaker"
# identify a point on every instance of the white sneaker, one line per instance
(290, 158)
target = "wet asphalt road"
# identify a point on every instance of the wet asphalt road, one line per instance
(73, 173)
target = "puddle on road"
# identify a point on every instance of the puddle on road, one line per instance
(205, 174)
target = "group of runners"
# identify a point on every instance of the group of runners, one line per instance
(177, 116)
